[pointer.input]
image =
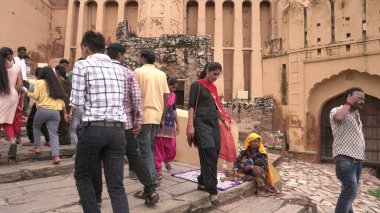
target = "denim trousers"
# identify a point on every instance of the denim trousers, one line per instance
(29, 126)
(73, 126)
(348, 172)
(145, 141)
(139, 165)
(107, 144)
(51, 118)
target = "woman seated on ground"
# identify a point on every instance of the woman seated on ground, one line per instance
(252, 163)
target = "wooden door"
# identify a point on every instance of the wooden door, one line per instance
(370, 116)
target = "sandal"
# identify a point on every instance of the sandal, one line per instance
(140, 195)
(151, 199)
(215, 202)
(12, 152)
(36, 150)
(56, 160)
(168, 167)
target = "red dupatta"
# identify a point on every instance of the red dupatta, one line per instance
(227, 143)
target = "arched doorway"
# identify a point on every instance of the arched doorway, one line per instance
(370, 117)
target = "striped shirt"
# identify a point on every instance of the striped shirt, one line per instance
(132, 97)
(348, 135)
(98, 87)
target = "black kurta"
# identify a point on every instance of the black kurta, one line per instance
(207, 135)
(207, 132)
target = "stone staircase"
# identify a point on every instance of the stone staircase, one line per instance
(176, 195)
(31, 166)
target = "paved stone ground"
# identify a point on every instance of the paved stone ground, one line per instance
(319, 183)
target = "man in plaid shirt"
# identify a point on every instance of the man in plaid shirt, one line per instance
(134, 110)
(98, 87)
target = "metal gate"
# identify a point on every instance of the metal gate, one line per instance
(370, 117)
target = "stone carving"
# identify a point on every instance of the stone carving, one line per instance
(174, 27)
(140, 27)
(157, 8)
(157, 27)
(175, 10)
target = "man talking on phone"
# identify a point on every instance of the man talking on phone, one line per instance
(348, 146)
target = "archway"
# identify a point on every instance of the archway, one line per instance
(326, 94)
(370, 117)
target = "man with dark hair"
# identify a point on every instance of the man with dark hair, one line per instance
(22, 61)
(64, 62)
(98, 87)
(348, 146)
(155, 93)
(133, 110)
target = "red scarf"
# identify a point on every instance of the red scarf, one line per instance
(227, 144)
(214, 93)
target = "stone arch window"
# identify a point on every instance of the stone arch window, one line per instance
(192, 18)
(110, 21)
(131, 14)
(265, 21)
(210, 20)
(228, 23)
(90, 15)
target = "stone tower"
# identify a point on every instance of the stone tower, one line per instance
(157, 17)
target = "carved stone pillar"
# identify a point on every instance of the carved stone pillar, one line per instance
(218, 42)
(238, 67)
(120, 11)
(69, 29)
(256, 59)
(82, 7)
(99, 15)
(201, 17)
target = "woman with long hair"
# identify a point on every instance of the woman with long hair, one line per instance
(63, 128)
(165, 140)
(10, 84)
(206, 114)
(49, 95)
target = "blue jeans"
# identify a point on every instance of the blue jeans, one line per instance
(108, 145)
(348, 172)
(51, 118)
(145, 141)
(77, 117)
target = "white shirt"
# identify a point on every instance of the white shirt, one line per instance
(98, 86)
(348, 135)
(24, 68)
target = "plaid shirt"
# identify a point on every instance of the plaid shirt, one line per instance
(98, 87)
(348, 136)
(132, 97)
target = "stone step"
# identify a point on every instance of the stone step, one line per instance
(176, 195)
(24, 153)
(32, 166)
(260, 204)
(36, 169)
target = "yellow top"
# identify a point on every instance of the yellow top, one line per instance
(43, 100)
(153, 86)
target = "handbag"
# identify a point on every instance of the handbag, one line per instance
(191, 140)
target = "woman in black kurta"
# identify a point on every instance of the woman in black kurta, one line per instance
(204, 127)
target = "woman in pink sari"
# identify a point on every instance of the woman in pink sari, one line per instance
(165, 140)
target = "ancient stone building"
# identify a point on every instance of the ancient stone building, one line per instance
(302, 53)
